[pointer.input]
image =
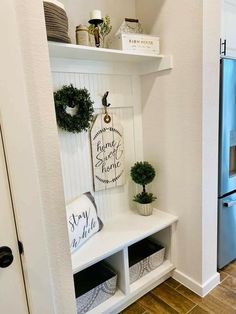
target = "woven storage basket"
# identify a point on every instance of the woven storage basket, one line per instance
(56, 21)
(93, 286)
(144, 257)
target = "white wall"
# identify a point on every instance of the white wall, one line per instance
(210, 112)
(30, 137)
(78, 12)
(181, 108)
(228, 26)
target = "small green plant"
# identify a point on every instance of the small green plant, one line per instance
(144, 198)
(143, 173)
(104, 28)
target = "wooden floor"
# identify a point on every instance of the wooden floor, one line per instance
(172, 297)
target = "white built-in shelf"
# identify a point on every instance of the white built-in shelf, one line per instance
(119, 233)
(60, 50)
(145, 63)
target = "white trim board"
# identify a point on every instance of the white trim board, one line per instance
(103, 67)
(201, 290)
(100, 60)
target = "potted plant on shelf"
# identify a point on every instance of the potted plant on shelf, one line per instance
(143, 173)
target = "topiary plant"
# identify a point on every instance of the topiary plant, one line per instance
(143, 173)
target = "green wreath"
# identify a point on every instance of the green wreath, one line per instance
(69, 96)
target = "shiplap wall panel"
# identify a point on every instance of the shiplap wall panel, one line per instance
(75, 148)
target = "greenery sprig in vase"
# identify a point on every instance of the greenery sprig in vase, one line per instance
(143, 173)
(104, 29)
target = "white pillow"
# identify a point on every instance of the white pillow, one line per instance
(82, 220)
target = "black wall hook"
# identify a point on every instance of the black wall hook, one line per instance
(107, 118)
(104, 100)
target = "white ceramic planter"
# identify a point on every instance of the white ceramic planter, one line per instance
(145, 209)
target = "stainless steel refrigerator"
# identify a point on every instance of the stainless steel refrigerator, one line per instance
(227, 164)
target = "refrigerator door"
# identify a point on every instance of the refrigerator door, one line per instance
(227, 131)
(227, 230)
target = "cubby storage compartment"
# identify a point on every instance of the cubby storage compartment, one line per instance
(112, 245)
(93, 286)
(144, 256)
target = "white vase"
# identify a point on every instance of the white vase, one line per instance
(145, 209)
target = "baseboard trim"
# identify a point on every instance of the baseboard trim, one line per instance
(211, 284)
(195, 286)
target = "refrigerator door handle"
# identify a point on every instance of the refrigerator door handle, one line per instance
(230, 203)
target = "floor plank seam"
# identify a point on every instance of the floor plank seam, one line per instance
(166, 302)
(195, 305)
(187, 297)
(159, 297)
(226, 287)
(169, 285)
(204, 309)
(224, 278)
(223, 300)
(178, 286)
